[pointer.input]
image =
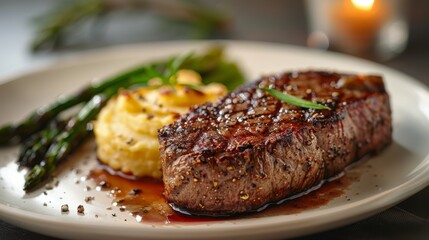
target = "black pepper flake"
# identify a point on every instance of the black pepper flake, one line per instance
(65, 208)
(122, 208)
(89, 199)
(120, 201)
(113, 214)
(96, 216)
(45, 193)
(80, 209)
(134, 192)
(130, 141)
(150, 116)
(77, 171)
(45, 204)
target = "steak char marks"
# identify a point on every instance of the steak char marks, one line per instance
(250, 148)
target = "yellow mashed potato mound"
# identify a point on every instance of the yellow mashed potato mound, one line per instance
(126, 130)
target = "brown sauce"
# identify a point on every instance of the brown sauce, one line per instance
(144, 199)
(313, 199)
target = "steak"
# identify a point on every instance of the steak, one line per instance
(250, 148)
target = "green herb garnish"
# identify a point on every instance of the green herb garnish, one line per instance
(168, 76)
(299, 102)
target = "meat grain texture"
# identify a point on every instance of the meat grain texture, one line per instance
(251, 149)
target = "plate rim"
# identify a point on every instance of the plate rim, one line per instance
(412, 186)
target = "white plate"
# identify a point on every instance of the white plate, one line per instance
(400, 171)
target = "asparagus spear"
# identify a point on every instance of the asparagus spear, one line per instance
(35, 148)
(66, 141)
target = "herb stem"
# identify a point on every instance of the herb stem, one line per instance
(295, 101)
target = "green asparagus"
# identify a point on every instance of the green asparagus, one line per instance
(34, 149)
(66, 141)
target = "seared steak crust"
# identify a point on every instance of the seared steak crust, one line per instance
(250, 148)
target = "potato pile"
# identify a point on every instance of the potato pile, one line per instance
(126, 130)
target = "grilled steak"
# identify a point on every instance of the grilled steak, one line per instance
(250, 148)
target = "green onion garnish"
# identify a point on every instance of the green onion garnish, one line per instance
(294, 100)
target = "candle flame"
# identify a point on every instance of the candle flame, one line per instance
(363, 4)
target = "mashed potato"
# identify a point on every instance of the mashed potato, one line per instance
(126, 130)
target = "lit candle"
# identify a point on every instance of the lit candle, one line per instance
(358, 23)
(365, 5)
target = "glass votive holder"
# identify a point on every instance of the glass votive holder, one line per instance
(366, 28)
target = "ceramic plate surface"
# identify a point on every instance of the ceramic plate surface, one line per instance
(397, 173)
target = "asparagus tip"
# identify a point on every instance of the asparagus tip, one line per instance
(34, 178)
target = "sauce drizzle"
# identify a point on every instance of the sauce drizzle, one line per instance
(143, 198)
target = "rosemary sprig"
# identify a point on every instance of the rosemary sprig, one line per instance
(292, 100)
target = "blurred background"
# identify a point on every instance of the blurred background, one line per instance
(40, 31)
(394, 33)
